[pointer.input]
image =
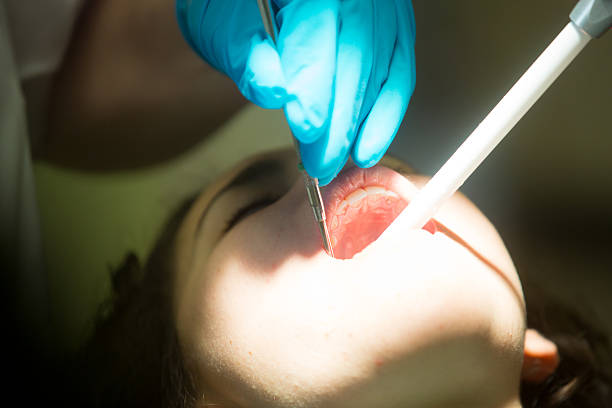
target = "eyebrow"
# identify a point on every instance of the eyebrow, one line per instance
(248, 175)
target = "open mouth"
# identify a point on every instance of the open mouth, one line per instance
(361, 204)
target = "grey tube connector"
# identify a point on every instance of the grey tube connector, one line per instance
(594, 17)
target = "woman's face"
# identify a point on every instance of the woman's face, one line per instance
(266, 318)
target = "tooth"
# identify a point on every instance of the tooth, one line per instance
(372, 198)
(355, 197)
(334, 222)
(371, 190)
(390, 193)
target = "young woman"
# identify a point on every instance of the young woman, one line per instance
(240, 307)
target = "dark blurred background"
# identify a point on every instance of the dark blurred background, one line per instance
(548, 186)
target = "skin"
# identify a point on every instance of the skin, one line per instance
(266, 319)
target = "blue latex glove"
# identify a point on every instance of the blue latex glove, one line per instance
(343, 69)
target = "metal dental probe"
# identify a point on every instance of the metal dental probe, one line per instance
(312, 184)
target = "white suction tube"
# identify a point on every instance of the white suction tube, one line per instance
(521, 97)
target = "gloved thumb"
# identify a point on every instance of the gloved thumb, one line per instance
(230, 36)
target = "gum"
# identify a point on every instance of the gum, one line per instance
(361, 217)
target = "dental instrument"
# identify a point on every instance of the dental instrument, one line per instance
(312, 184)
(589, 19)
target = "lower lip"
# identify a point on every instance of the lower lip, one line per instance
(361, 204)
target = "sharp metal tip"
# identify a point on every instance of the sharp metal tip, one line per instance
(316, 203)
(326, 240)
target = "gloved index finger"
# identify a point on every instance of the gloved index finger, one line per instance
(307, 48)
(324, 157)
(387, 113)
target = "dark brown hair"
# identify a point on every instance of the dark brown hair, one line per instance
(133, 358)
(583, 378)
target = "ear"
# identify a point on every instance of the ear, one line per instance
(540, 357)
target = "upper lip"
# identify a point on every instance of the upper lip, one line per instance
(354, 177)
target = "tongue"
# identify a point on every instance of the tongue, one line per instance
(357, 225)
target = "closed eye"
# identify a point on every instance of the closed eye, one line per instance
(249, 209)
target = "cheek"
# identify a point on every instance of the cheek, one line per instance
(310, 327)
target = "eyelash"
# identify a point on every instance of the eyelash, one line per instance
(248, 210)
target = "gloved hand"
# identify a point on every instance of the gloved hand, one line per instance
(343, 69)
